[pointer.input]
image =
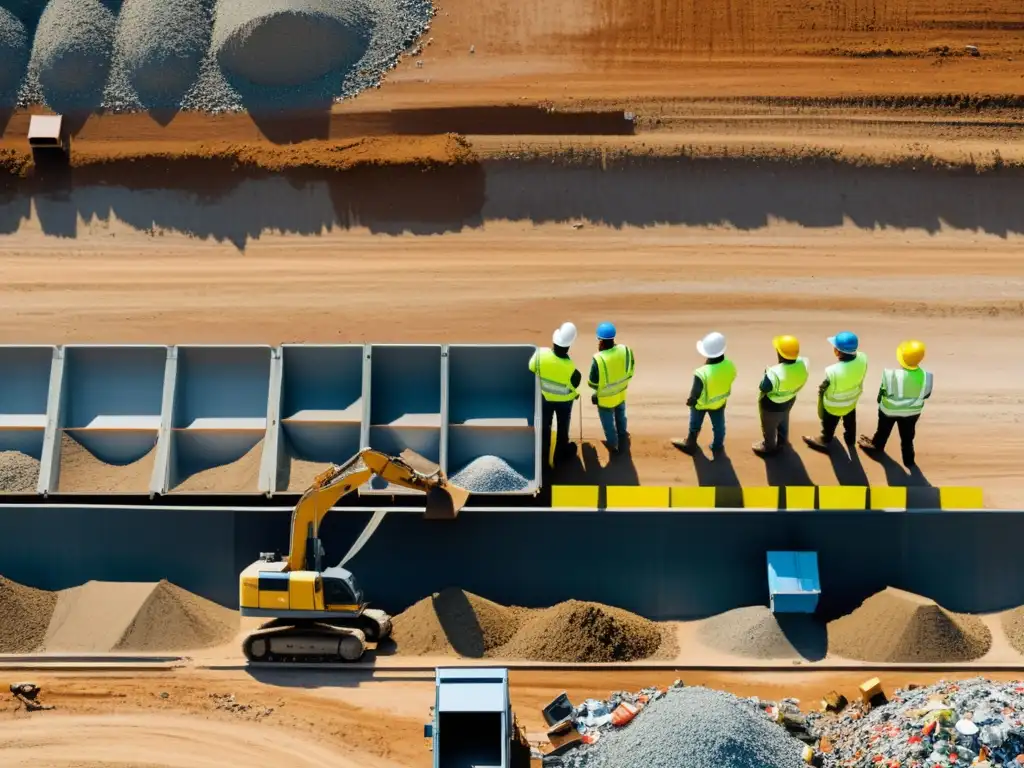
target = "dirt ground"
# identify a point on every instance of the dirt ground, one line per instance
(192, 718)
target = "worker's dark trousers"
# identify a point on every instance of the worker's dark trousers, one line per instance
(829, 423)
(549, 410)
(908, 429)
(775, 426)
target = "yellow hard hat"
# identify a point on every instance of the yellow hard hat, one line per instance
(910, 354)
(787, 346)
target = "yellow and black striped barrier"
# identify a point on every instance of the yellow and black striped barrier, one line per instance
(792, 498)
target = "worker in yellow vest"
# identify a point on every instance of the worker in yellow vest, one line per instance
(777, 394)
(559, 383)
(901, 401)
(839, 393)
(712, 385)
(610, 374)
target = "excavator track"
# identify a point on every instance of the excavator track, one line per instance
(287, 641)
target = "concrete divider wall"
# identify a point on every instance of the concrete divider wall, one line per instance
(660, 564)
(199, 409)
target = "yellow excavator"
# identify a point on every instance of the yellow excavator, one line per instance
(318, 614)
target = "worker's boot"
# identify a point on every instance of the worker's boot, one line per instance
(819, 443)
(687, 446)
(762, 450)
(867, 444)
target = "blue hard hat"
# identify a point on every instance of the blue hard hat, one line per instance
(845, 342)
(606, 331)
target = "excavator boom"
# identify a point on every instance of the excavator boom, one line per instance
(410, 470)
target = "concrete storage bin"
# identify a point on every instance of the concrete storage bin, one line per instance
(108, 418)
(24, 392)
(404, 386)
(321, 411)
(494, 410)
(218, 419)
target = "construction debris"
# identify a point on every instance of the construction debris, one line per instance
(228, 703)
(27, 694)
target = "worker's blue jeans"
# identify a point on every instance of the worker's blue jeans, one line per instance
(613, 421)
(717, 426)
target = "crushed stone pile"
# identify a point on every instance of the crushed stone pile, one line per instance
(24, 616)
(241, 476)
(14, 52)
(71, 53)
(158, 50)
(944, 725)
(173, 618)
(1013, 626)
(755, 632)
(83, 472)
(489, 474)
(691, 728)
(19, 473)
(458, 623)
(898, 626)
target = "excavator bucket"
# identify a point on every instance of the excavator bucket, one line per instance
(444, 501)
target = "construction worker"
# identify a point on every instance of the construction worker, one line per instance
(610, 374)
(777, 394)
(840, 391)
(901, 401)
(559, 383)
(712, 385)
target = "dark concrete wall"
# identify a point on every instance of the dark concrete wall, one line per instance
(659, 564)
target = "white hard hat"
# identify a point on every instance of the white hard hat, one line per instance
(564, 336)
(712, 345)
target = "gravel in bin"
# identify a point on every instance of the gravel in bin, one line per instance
(489, 474)
(14, 52)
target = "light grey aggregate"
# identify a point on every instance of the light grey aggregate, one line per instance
(489, 474)
(693, 728)
(14, 50)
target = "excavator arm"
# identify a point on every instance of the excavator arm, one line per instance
(410, 470)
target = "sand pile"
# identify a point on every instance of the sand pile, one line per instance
(489, 474)
(24, 616)
(454, 622)
(83, 472)
(19, 473)
(159, 47)
(1013, 626)
(72, 51)
(103, 616)
(897, 626)
(259, 42)
(241, 476)
(14, 52)
(755, 632)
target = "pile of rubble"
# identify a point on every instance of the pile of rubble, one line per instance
(973, 722)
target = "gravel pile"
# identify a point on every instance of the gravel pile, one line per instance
(897, 626)
(1013, 626)
(24, 616)
(454, 622)
(693, 728)
(174, 619)
(71, 54)
(158, 50)
(489, 474)
(19, 473)
(755, 632)
(14, 52)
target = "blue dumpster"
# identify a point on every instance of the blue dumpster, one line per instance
(793, 583)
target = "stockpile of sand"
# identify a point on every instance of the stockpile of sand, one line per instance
(104, 616)
(159, 47)
(1013, 626)
(897, 626)
(14, 51)
(83, 472)
(241, 476)
(72, 51)
(19, 473)
(755, 632)
(24, 616)
(454, 622)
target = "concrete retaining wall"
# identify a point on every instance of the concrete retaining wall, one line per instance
(660, 564)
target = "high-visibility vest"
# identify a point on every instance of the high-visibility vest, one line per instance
(614, 370)
(845, 385)
(717, 380)
(787, 379)
(555, 374)
(903, 391)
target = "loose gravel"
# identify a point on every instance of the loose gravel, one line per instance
(755, 632)
(19, 472)
(24, 616)
(489, 474)
(71, 54)
(14, 52)
(693, 728)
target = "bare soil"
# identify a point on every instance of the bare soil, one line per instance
(242, 475)
(82, 471)
(24, 616)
